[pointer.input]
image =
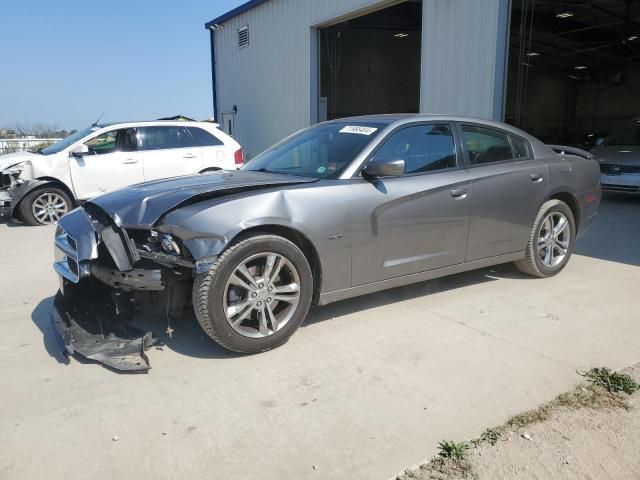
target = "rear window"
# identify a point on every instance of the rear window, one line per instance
(202, 138)
(629, 135)
(520, 147)
(486, 145)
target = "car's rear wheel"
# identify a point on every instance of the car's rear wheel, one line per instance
(44, 206)
(551, 241)
(256, 295)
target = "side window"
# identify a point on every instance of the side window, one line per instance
(424, 148)
(202, 138)
(486, 145)
(127, 140)
(103, 143)
(520, 147)
(161, 138)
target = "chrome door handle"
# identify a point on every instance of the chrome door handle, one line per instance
(189, 155)
(459, 193)
(535, 177)
(129, 161)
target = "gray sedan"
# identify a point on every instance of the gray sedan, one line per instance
(343, 208)
(619, 156)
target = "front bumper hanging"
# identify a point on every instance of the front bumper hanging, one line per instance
(97, 328)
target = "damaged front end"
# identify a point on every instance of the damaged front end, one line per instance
(11, 178)
(106, 273)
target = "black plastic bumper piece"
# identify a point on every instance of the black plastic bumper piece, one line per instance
(97, 329)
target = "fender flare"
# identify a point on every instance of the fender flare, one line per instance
(31, 185)
(205, 247)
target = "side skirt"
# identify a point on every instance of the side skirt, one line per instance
(330, 297)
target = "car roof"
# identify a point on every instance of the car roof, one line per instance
(390, 118)
(394, 120)
(401, 118)
(156, 122)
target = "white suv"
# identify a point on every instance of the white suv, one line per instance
(39, 188)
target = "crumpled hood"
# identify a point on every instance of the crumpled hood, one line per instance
(11, 159)
(618, 154)
(141, 205)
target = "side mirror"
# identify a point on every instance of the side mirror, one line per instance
(80, 150)
(599, 141)
(384, 167)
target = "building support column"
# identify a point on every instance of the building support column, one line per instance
(464, 57)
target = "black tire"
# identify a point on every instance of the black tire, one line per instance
(25, 207)
(209, 291)
(532, 264)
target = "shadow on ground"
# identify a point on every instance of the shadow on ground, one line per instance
(190, 340)
(6, 219)
(615, 233)
(40, 317)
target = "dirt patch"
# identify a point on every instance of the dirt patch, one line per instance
(587, 433)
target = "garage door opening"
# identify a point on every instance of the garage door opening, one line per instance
(574, 68)
(371, 64)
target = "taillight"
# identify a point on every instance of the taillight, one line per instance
(238, 158)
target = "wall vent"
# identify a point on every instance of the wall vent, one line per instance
(243, 37)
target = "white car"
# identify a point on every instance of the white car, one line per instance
(39, 188)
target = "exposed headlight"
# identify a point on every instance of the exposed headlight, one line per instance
(15, 169)
(19, 172)
(169, 245)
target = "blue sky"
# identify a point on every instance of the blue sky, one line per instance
(64, 63)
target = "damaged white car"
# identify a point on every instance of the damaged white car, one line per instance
(39, 188)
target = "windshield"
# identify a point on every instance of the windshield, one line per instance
(321, 151)
(70, 140)
(628, 135)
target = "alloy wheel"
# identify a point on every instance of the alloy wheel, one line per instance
(49, 207)
(553, 239)
(261, 295)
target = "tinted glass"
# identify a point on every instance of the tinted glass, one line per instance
(321, 151)
(160, 138)
(486, 145)
(202, 138)
(127, 140)
(629, 135)
(520, 148)
(103, 143)
(424, 148)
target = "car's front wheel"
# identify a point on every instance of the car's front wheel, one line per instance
(256, 295)
(44, 206)
(551, 240)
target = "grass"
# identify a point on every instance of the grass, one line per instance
(491, 436)
(601, 392)
(453, 450)
(613, 382)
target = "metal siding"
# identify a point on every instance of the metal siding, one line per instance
(464, 57)
(270, 80)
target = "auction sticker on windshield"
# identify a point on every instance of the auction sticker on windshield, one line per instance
(358, 130)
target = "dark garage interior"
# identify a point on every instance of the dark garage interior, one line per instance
(574, 68)
(371, 64)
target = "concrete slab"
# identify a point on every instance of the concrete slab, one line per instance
(367, 387)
